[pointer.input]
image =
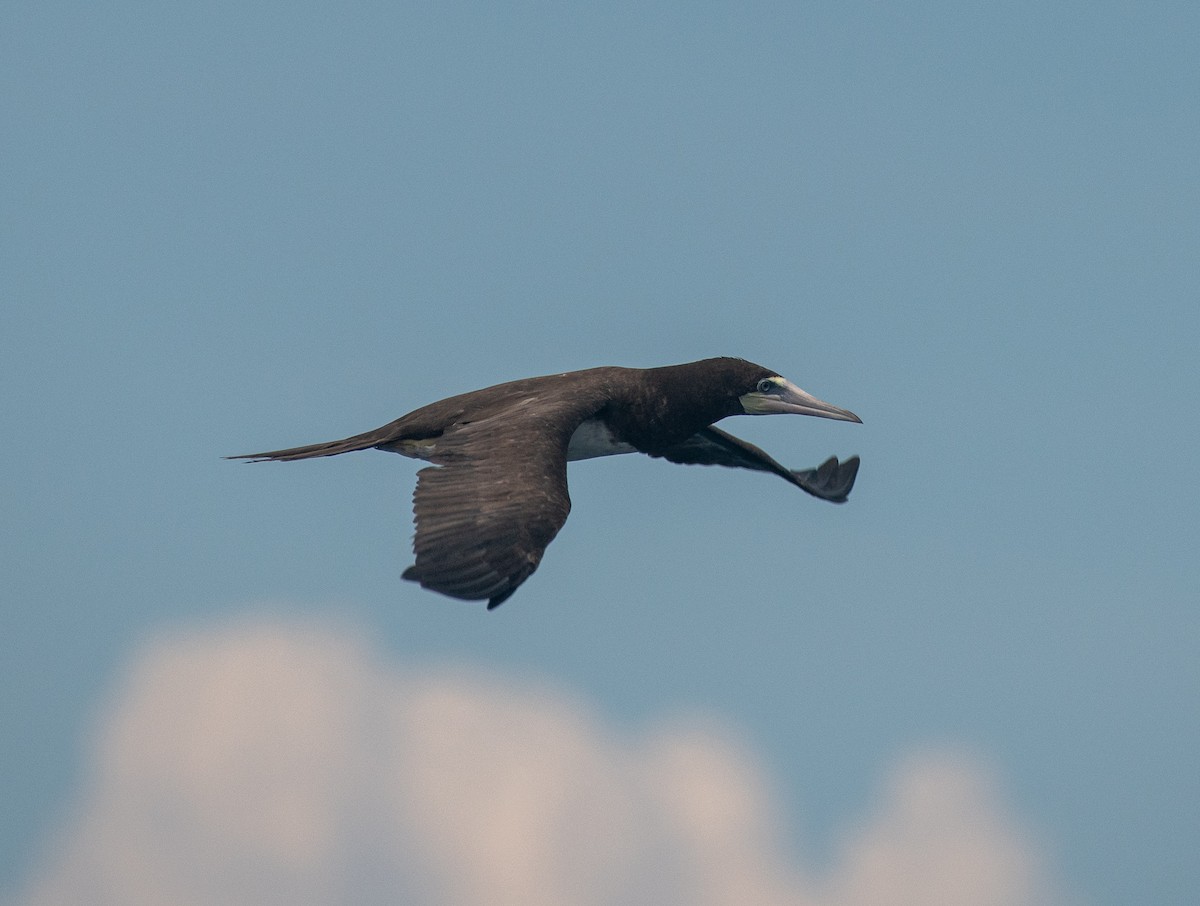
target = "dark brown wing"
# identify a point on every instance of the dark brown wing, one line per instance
(832, 480)
(485, 514)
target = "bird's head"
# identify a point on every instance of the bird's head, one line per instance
(762, 392)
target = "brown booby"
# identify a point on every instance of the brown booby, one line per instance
(496, 494)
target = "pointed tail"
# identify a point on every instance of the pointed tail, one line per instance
(329, 448)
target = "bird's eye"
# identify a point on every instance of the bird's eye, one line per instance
(766, 385)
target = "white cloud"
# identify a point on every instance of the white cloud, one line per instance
(277, 763)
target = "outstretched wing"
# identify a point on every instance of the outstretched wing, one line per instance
(832, 480)
(485, 514)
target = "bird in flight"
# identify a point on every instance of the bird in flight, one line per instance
(496, 494)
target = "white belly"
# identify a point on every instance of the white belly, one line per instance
(414, 449)
(592, 439)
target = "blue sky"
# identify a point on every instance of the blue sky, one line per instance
(230, 229)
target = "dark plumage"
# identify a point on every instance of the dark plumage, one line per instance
(497, 493)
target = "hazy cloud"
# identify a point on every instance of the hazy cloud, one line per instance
(283, 763)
